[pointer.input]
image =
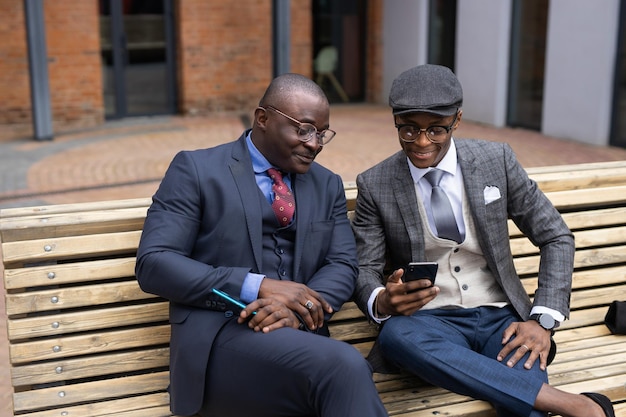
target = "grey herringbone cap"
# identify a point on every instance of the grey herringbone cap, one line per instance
(428, 89)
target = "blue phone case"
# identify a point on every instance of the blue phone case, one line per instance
(230, 299)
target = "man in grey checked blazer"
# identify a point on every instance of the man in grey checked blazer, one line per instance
(476, 331)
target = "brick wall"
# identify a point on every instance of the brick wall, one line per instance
(73, 66)
(225, 52)
(14, 88)
(224, 58)
(301, 38)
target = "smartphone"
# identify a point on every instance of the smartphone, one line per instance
(230, 299)
(420, 270)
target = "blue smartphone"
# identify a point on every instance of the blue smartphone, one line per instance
(230, 299)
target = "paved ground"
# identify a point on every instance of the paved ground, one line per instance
(127, 159)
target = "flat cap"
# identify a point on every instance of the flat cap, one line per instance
(428, 89)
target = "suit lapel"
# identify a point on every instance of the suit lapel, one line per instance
(243, 175)
(476, 174)
(302, 187)
(473, 178)
(404, 195)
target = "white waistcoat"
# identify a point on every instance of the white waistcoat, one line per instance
(463, 276)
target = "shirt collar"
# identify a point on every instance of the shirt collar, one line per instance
(447, 164)
(260, 164)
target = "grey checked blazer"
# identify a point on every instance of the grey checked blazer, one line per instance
(389, 234)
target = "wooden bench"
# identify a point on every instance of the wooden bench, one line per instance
(84, 340)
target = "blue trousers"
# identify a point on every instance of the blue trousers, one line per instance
(457, 349)
(287, 372)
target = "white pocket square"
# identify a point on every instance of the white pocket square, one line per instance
(492, 193)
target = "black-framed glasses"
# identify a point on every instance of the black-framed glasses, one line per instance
(306, 131)
(436, 134)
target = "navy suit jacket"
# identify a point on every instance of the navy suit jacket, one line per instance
(204, 230)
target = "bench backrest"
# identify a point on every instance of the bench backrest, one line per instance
(85, 340)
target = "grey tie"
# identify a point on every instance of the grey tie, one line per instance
(442, 209)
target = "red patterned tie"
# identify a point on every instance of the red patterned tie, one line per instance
(284, 205)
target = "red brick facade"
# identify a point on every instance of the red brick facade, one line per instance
(14, 88)
(224, 58)
(225, 52)
(73, 67)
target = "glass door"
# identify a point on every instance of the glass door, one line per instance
(136, 41)
(442, 32)
(528, 47)
(339, 48)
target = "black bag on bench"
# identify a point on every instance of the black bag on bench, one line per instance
(615, 318)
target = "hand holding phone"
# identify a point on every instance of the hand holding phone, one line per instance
(420, 270)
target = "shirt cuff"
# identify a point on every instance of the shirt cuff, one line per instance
(370, 306)
(556, 315)
(250, 287)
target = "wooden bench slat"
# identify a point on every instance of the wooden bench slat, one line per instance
(353, 331)
(74, 208)
(348, 311)
(582, 258)
(577, 179)
(64, 395)
(363, 347)
(70, 247)
(612, 386)
(82, 223)
(600, 237)
(85, 367)
(88, 344)
(469, 408)
(584, 219)
(584, 239)
(584, 317)
(596, 296)
(162, 411)
(585, 166)
(587, 278)
(69, 273)
(73, 297)
(403, 400)
(572, 338)
(155, 403)
(589, 358)
(19, 329)
(594, 218)
(600, 256)
(577, 199)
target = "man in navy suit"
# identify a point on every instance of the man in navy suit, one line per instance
(475, 331)
(212, 226)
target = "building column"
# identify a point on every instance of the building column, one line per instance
(38, 69)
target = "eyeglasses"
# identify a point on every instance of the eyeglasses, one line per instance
(306, 131)
(435, 134)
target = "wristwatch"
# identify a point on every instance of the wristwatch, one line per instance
(546, 321)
